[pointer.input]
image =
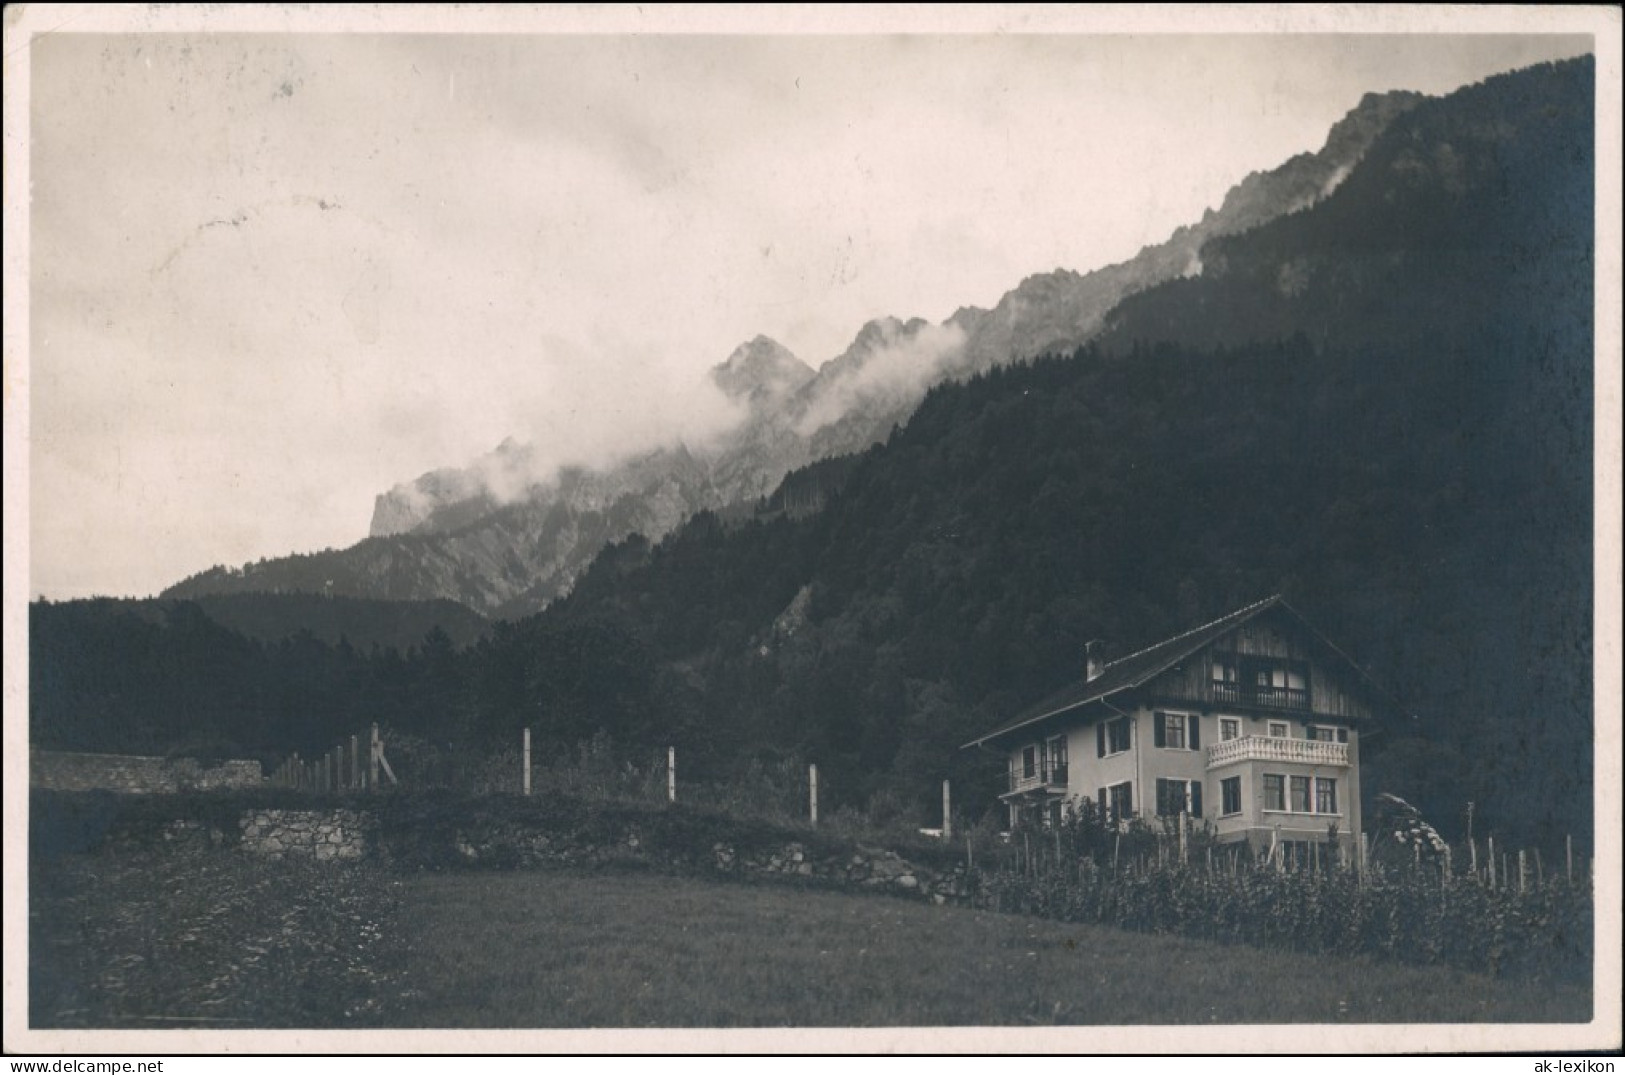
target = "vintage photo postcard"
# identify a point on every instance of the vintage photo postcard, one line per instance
(1013, 528)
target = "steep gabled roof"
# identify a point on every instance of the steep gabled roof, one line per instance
(1132, 671)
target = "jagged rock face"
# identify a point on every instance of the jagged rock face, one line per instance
(494, 537)
(761, 374)
(447, 499)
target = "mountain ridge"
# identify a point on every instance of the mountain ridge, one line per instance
(528, 551)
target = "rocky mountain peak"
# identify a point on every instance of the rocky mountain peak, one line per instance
(760, 372)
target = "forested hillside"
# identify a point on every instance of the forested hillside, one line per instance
(1379, 407)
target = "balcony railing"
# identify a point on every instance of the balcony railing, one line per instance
(1050, 775)
(1251, 694)
(1272, 748)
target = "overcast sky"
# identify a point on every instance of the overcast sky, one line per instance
(274, 275)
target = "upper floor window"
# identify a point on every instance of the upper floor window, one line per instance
(1113, 737)
(1029, 762)
(1177, 731)
(1229, 728)
(1322, 733)
(1279, 729)
(1055, 764)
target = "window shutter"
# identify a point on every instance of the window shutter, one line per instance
(1159, 730)
(1128, 798)
(1342, 735)
(1196, 798)
(1100, 801)
(1100, 740)
(1196, 732)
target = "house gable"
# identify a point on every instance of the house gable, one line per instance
(1180, 668)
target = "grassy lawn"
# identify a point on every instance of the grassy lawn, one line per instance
(221, 939)
(548, 949)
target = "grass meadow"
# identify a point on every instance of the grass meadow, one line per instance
(225, 940)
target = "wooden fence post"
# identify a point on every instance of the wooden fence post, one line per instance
(947, 815)
(355, 762)
(671, 774)
(1184, 826)
(812, 794)
(1492, 861)
(527, 761)
(372, 759)
(383, 763)
(1568, 844)
(1523, 868)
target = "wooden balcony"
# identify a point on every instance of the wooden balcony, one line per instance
(1045, 778)
(1271, 748)
(1268, 697)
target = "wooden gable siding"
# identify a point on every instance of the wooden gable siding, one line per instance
(1330, 692)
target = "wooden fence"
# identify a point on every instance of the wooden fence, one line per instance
(339, 769)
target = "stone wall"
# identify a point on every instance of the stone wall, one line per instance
(135, 774)
(865, 867)
(874, 869)
(326, 835)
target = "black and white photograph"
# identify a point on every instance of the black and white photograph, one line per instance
(1007, 529)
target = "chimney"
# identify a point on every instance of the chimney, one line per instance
(1094, 662)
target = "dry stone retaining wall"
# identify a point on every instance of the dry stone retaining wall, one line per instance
(136, 774)
(864, 867)
(325, 835)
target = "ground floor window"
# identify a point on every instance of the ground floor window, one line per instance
(1309, 854)
(1175, 797)
(1299, 794)
(1118, 801)
(1230, 792)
